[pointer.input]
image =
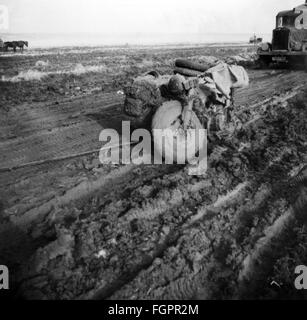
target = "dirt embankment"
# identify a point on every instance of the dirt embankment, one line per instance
(82, 230)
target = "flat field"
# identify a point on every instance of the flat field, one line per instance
(77, 229)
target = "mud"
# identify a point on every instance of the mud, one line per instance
(74, 229)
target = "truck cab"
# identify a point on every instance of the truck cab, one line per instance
(289, 42)
(296, 18)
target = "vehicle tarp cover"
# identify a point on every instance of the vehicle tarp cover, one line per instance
(298, 35)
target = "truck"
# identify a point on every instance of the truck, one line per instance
(255, 40)
(289, 43)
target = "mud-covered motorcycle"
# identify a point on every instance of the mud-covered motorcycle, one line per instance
(196, 97)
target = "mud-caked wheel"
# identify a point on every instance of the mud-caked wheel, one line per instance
(220, 122)
(178, 143)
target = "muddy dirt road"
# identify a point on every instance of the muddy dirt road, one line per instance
(74, 229)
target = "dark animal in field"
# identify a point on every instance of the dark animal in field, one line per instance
(22, 44)
(10, 44)
(15, 44)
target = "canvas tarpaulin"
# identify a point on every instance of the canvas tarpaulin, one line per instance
(298, 35)
(226, 77)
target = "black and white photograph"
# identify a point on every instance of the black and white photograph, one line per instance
(153, 150)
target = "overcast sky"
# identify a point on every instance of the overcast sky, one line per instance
(147, 16)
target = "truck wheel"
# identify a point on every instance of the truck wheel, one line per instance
(178, 143)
